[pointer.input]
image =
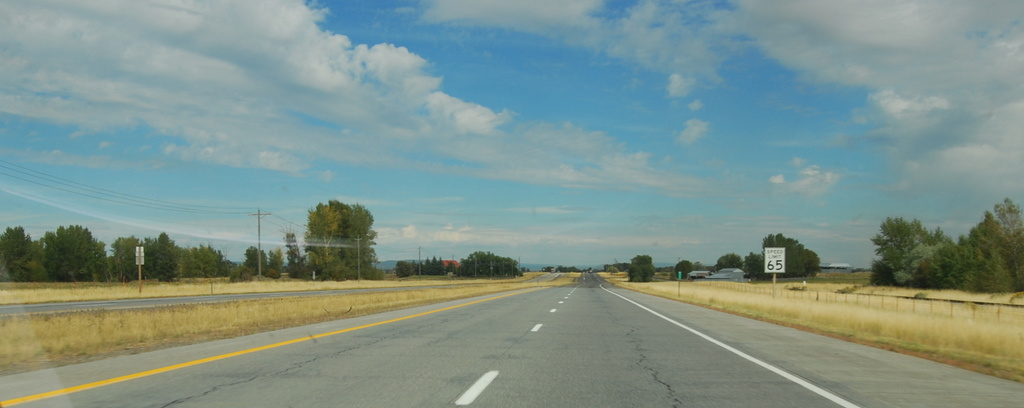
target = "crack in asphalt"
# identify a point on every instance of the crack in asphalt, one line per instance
(209, 391)
(283, 371)
(654, 373)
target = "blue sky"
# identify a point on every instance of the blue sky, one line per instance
(576, 132)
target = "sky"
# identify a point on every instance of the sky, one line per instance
(573, 132)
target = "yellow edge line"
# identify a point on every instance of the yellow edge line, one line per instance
(115, 380)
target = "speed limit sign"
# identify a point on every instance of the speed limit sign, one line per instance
(775, 260)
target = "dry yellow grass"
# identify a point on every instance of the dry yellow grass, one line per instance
(24, 293)
(987, 345)
(41, 340)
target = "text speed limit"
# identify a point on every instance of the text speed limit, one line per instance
(775, 260)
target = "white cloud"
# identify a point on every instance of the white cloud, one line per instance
(812, 181)
(528, 15)
(696, 105)
(894, 104)
(410, 232)
(465, 117)
(561, 210)
(654, 34)
(679, 86)
(264, 86)
(936, 72)
(695, 129)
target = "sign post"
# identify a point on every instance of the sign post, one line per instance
(774, 263)
(140, 258)
(679, 282)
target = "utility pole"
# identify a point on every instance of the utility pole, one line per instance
(259, 244)
(359, 275)
(419, 261)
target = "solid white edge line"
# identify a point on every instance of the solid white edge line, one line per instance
(478, 387)
(537, 327)
(814, 388)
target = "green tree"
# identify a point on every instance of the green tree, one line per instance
(987, 271)
(122, 259)
(254, 258)
(340, 239)
(405, 269)
(296, 268)
(800, 261)
(434, 266)
(482, 263)
(753, 265)
(641, 269)
(683, 266)
(730, 260)
(242, 273)
(203, 262)
(71, 254)
(1011, 241)
(953, 264)
(359, 229)
(161, 258)
(275, 263)
(20, 257)
(896, 241)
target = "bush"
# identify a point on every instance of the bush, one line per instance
(242, 274)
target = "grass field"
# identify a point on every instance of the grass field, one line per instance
(44, 340)
(25, 293)
(990, 341)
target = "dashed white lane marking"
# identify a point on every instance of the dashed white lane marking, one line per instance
(553, 310)
(561, 301)
(785, 374)
(478, 387)
(536, 328)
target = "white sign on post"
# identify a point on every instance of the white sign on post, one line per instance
(775, 260)
(140, 255)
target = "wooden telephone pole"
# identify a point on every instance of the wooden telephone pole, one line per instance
(259, 241)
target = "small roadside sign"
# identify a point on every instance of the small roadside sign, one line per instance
(775, 260)
(140, 255)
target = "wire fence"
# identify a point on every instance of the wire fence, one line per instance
(956, 309)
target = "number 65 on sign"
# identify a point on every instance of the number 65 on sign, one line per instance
(775, 260)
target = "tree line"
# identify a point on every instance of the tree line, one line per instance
(72, 254)
(339, 246)
(989, 258)
(478, 264)
(800, 262)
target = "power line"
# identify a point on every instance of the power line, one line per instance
(288, 221)
(73, 187)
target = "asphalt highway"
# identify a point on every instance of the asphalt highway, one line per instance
(587, 345)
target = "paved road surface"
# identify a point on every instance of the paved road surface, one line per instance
(581, 346)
